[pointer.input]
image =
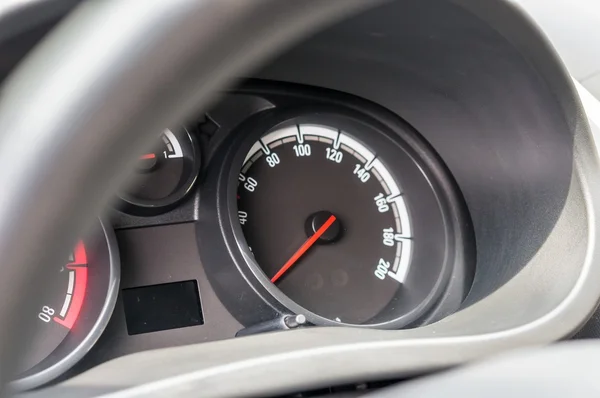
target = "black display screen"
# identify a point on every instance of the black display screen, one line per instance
(162, 307)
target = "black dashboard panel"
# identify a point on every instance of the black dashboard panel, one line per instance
(186, 243)
(152, 256)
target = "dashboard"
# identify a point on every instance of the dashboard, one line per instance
(403, 191)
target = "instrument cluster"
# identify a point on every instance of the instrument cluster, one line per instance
(283, 207)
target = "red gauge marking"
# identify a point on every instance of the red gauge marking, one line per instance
(79, 255)
(148, 156)
(304, 248)
(79, 266)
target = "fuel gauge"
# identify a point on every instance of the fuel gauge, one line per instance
(164, 176)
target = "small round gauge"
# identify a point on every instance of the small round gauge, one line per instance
(73, 311)
(341, 223)
(164, 176)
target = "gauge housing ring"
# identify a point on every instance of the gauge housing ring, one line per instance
(237, 269)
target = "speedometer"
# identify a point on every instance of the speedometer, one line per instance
(336, 210)
(326, 221)
(342, 220)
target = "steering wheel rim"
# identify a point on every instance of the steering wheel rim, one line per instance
(77, 111)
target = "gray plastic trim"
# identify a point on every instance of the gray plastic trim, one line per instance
(564, 370)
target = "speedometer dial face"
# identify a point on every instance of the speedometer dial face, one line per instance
(326, 221)
(340, 220)
(336, 210)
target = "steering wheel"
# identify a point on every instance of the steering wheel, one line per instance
(98, 91)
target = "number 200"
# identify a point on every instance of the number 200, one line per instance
(382, 269)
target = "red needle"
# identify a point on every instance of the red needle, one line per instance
(311, 241)
(148, 156)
